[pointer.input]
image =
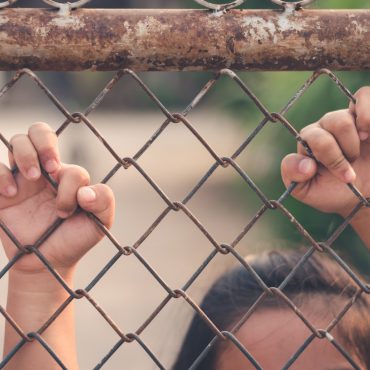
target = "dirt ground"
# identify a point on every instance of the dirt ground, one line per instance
(128, 292)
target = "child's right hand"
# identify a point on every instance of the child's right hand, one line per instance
(341, 144)
(29, 205)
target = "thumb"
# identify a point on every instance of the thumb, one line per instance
(297, 168)
(99, 200)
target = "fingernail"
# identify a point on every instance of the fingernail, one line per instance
(62, 214)
(88, 194)
(51, 165)
(33, 173)
(363, 135)
(305, 166)
(350, 175)
(11, 190)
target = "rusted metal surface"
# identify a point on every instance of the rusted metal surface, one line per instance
(91, 39)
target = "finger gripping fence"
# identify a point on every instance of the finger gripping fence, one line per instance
(172, 205)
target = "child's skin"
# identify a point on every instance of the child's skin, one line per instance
(340, 142)
(28, 206)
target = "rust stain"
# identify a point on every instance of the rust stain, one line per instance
(184, 39)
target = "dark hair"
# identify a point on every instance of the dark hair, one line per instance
(235, 292)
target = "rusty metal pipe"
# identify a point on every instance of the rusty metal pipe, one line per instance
(192, 40)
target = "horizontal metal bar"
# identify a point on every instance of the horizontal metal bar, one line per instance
(96, 39)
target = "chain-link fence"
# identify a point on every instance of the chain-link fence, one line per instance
(207, 4)
(171, 206)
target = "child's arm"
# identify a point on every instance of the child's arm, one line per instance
(28, 206)
(340, 142)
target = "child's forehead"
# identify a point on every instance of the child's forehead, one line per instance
(272, 337)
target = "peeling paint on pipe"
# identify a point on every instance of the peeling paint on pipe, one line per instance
(191, 40)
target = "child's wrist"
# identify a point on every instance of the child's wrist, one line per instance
(33, 299)
(363, 214)
(39, 283)
(362, 217)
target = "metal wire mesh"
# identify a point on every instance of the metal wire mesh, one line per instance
(219, 249)
(181, 206)
(66, 6)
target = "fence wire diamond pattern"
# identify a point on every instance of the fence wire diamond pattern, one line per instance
(181, 206)
(67, 6)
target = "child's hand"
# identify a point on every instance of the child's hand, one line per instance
(29, 204)
(340, 142)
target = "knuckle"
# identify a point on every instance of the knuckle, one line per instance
(310, 132)
(319, 143)
(327, 118)
(46, 151)
(283, 166)
(345, 125)
(38, 126)
(337, 121)
(304, 136)
(337, 163)
(285, 162)
(362, 90)
(64, 205)
(106, 191)
(25, 160)
(28, 156)
(307, 129)
(65, 202)
(79, 174)
(16, 138)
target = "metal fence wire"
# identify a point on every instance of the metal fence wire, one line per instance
(69, 5)
(174, 293)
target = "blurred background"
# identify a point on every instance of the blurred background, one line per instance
(176, 161)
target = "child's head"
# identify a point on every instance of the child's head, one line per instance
(273, 333)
